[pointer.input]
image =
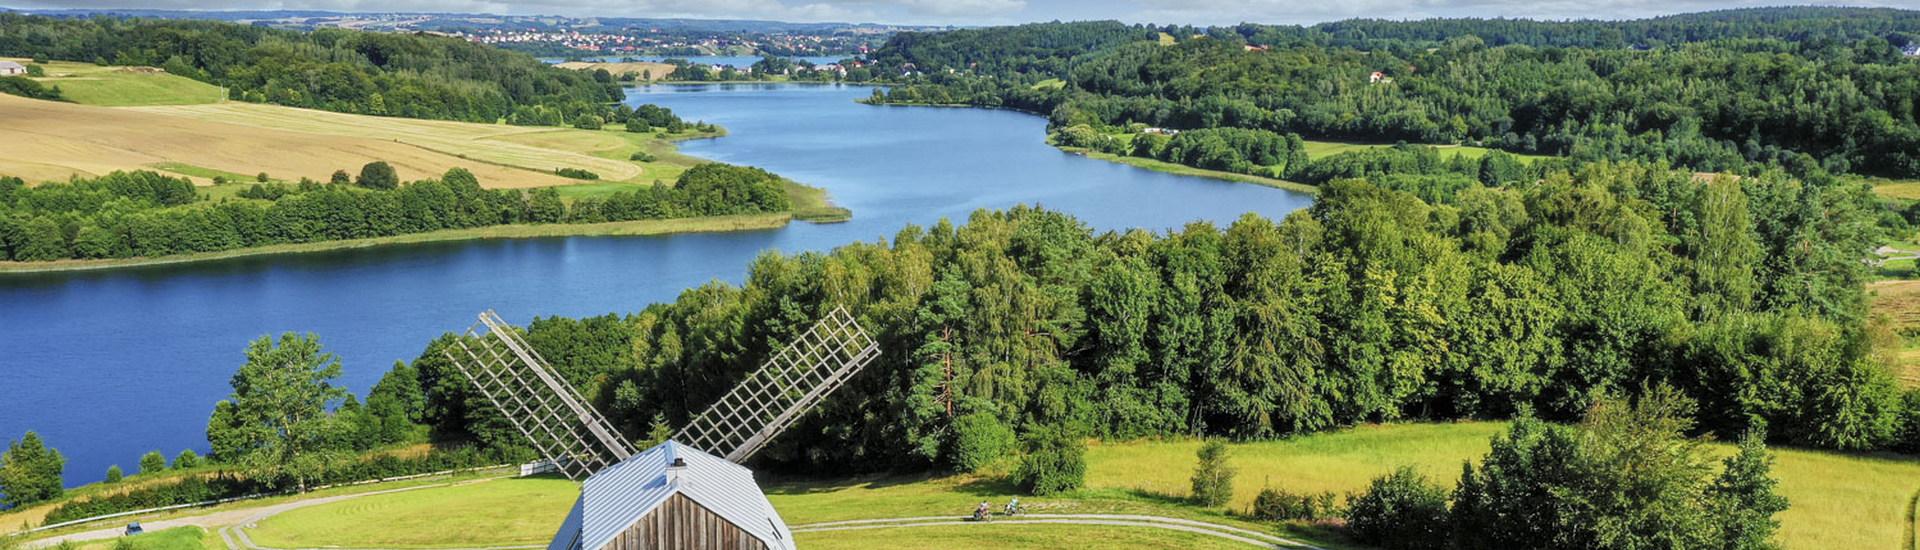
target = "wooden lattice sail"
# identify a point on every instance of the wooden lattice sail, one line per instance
(782, 390)
(562, 426)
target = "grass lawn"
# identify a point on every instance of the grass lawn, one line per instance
(1899, 302)
(1001, 536)
(90, 84)
(1838, 500)
(489, 513)
(178, 538)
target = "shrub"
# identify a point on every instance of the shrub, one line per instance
(589, 122)
(1908, 439)
(1399, 510)
(36, 70)
(979, 439)
(642, 156)
(114, 475)
(41, 58)
(153, 462)
(1056, 462)
(1213, 477)
(186, 459)
(1280, 505)
(340, 177)
(27, 87)
(378, 175)
(261, 177)
(576, 173)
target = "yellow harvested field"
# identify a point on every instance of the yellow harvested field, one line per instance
(656, 71)
(52, 141)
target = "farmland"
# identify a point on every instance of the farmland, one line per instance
(642, 70)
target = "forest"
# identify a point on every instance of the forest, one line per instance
(128, 214)
(1534, 298)
(1735, 102)
(404, 75)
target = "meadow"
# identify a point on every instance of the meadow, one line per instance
(1838, 500)
(109, 86)
(641, 70)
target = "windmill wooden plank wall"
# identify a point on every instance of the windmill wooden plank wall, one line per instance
(681, 523)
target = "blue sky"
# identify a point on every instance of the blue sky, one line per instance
(985, 12)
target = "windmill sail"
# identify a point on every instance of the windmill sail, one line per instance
(562, 426)
(782, 390)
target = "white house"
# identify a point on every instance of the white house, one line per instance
(9, 68)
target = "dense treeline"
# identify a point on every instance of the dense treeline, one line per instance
(1727, 105)
(1045, 48)
(407, 75)
(1787, 23)
(124, 214)
(1371, 305)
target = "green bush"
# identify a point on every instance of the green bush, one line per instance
(153, 462)
(589, 122)
(1399, 510)
(1056, 462)
(36, 70)
(1907, 440)
(1280, 505)
(1213, 476)
(186, 459)
(979, 439)
(114, 475)
(576, 173)
(642, 156)
(378, 175)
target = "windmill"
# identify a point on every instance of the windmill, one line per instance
(690, 491)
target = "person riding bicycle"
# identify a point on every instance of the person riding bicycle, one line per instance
(981, 512)
(1013, 506)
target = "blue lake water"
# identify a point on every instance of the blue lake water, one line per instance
(108, 365)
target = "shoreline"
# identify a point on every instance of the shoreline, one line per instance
(636, 228)
(1184, 170)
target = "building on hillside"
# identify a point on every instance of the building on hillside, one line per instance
(9, 68)
(672, 497)
(1378, 77)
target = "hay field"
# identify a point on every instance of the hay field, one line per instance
(89, 84)
(1898, 301)
(53, 140)
(639, 69)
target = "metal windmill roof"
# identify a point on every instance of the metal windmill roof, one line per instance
(612, 500)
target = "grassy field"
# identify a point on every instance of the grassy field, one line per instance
(1317, 149)
(631, 228)
(1899, 302)
(90, 84)
(1001, 536)
(1897, 189)
(178, 538)
(490, 513)
(1838, 500)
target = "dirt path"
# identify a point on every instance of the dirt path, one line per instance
(1229, 532)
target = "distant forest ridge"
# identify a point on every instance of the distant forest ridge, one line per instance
(1808, 90)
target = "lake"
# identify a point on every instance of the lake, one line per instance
(108, 365)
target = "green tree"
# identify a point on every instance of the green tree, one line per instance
(979, 439)
(1399, 511)
(153, 462)
(1213, 476)
(114, 475)
(186, 459)
(1056, 462)
(1743, 500)
(340, 177)
(30, 472)
(378, 175)
(276, 422)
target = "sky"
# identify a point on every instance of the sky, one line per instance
(993, 12)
